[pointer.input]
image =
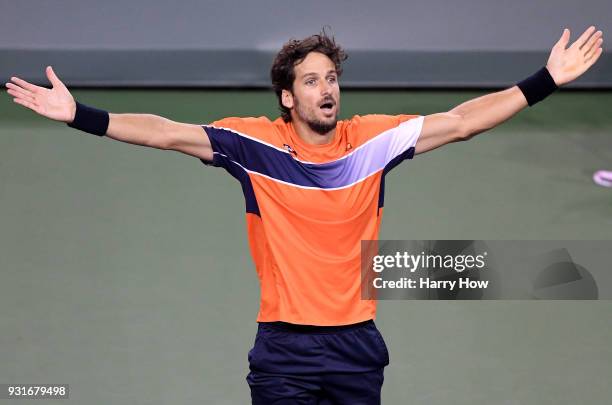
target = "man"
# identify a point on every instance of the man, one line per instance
(313, 189)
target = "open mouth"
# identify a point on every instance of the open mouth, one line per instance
(327, 107)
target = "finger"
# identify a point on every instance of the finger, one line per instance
(26, 104)
(587, 47)
(18, 89)
(562, 42)
(21, 96)
(55, 81)
(590, 60)
(26, 85)
(583, 38)
(596, 44)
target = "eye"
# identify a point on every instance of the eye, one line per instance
(310, 81)
(332, 79)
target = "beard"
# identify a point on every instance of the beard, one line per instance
(321, 127)
(317, 125)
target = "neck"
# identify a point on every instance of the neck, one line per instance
(311, 137)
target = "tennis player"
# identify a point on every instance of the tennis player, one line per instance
(313, 189)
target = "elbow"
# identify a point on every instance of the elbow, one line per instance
(464, 132)
(164, 144)
(465, 136)
(163, 137)
(470, 127)
(467, 129)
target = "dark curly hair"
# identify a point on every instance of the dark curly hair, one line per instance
(293, 52)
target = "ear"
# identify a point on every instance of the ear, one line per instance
(287, 99)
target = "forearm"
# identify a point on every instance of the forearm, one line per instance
(139, 129)
(486, 112)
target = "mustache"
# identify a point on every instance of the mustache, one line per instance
(327, 100)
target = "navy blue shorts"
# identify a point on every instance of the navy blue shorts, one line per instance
(293, 364)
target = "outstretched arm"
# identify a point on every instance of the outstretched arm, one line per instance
(483, 113)
(140, 129)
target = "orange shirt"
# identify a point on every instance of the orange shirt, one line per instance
(309, 206)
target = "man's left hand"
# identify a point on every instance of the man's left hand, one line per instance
(565, 65)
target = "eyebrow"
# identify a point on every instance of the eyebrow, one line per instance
(315, 74)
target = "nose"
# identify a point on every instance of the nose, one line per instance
(325, 88)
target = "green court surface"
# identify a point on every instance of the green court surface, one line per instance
(125, 271)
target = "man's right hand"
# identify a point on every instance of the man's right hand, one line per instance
(139, 129)
(55, 103)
